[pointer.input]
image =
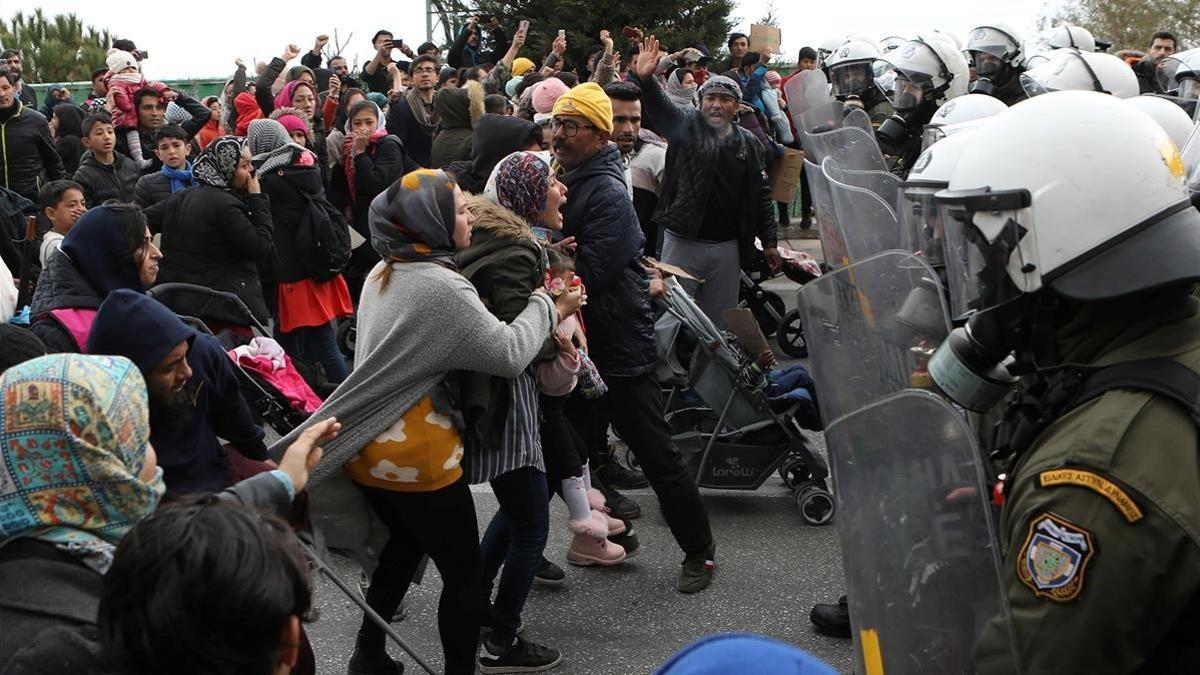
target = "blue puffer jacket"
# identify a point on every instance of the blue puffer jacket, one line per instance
(600, 215)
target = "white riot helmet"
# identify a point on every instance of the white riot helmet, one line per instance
(1179, 74)
(1072, 195)
(849, 68)
(927, 71)
(891, 42)
(1076, 37)
(1169, 116)
(1072, 70)
(995, 52)
(1036, 59)
(953, 115)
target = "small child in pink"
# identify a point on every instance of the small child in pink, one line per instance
(125, 81)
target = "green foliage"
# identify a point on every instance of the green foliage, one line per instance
(55, 49)
(678, 23)
(1129, 25)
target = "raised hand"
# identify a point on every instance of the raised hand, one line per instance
(647, 59)
(290, 52)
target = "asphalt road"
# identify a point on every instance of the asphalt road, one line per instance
(771, 568)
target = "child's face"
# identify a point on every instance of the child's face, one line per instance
(172, 152)
(62, 216)
(101, 138)
(129, 69)
(299, 138)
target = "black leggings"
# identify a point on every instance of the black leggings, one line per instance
(562, 448)
(441, 524)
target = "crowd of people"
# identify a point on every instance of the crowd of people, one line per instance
(487, 222)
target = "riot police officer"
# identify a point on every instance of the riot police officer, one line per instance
(851, 74)
(995, 54)
(1088, 251)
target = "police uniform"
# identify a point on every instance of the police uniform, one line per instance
(1100, 531)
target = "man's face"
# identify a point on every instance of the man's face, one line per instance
(14, 64)
(718, 110)
(7, 93)
(627, 121)
(575, 140)
(165, 384)
(808, 64)
(62, 216)
(62, 95)
(473, 38)
(151, 110)
(425, 76)
(101, 138)
(172, 152)
(101, 88)
(739, 47)
(1159, 48)
(338, 64)
(383, 43)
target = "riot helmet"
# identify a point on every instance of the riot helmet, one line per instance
(1072, 70)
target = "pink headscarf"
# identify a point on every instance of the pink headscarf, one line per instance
(284, 98)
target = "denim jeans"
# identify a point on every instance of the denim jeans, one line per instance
(515, 538)
(317, 344)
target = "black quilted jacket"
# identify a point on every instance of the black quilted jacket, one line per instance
(692, 152)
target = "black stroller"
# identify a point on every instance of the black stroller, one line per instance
(768, 308)
(736, 436)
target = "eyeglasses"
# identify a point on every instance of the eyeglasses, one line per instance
(425, 71)
(569, 127)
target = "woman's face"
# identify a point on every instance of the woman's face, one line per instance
(365, 119)
(462, 221)
(556, 197)
(688, 80)
(299, 138)
(354, 98)
(304, 100)
(54, 125)
(215, 107)
(241, 175)
(147, 258)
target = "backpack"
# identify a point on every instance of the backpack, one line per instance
(322, 237)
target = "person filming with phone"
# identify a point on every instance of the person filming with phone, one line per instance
(467, 50)
(387, 51)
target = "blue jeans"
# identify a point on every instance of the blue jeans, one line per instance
(317, 344)
(515, 538)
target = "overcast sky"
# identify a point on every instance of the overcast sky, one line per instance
(201, 39)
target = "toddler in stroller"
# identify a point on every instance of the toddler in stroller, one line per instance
(750, 423)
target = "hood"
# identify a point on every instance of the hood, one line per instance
(137, 327)
(98, 247)
(495, 228)
(497, 137)
(70, 120)
(62, 286)
(605, 162)
(460, 108)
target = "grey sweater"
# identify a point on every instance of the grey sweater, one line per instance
(428, 322)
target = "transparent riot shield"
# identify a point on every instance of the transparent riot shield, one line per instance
(884, 184)
(921, 559)
(810, 105)
(857, 117)
(869, 224)
(833, 245)
(875, 324)
(851, 147)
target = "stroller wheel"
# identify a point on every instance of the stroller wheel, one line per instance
(790, 335)
(347, 334)
(794, 473)
(815, 503)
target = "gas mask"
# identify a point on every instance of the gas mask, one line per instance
(897, 129)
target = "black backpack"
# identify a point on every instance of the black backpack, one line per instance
(322, 238)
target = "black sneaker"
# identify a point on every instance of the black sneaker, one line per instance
(620, 506)
(832, 620)
(549, 574)
(628, 540)
(614, 474)
(697, 571)
(373, 662)
(522, 656)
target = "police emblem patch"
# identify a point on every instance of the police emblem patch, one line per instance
(1055, 557)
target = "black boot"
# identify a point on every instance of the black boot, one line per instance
(832, 620)
(371, 658)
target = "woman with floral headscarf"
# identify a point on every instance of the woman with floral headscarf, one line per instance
(418, 321)
(218, 232)
(83, 422)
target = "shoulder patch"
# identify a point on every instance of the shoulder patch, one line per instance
(1054, 559)
(1097, 483)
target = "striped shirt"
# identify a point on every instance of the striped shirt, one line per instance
(521, 442)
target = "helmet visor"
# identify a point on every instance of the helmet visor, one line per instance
(851, 79)
(1032, 87)
(1189, 87)
(986, 63)
(910, 90)
(984, 233)
(923, 229)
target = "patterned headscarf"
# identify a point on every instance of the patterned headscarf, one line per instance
(215, 166)
(75, 430)
(413, 220)
(519, 183)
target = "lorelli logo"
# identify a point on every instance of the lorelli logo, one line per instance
(733, 470)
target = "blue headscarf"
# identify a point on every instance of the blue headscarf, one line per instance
(99, 247)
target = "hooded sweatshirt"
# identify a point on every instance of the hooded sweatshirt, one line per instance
(458, 109)
(185, 434)
(69, 136)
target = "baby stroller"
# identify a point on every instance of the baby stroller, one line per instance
(200, 305)
(736, 436)
(769, 309)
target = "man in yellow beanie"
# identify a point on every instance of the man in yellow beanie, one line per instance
(521, 66)
(599, 214)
